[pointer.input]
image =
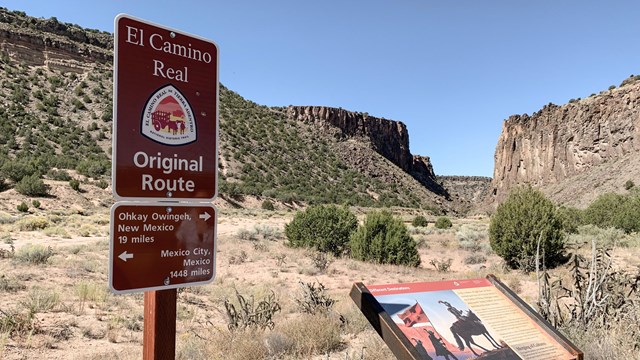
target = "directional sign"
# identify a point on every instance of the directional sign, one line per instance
(161, 246)
(165, 113)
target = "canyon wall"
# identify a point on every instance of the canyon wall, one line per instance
(387, 137)
(560, 142)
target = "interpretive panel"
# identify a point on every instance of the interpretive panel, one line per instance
(460, 319)
(162, 246)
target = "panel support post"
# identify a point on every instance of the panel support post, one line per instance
(159, 341)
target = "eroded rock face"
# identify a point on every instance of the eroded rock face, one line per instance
(387, 137)
(559, 142)
(63, 47)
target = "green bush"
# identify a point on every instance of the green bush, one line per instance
(75, 184)
(443, 222)
(629, 185)
(572, 218)
(419, 221)
(36, 204)
(326, 228)
(524, 218)
(32, 185)
(102, 184)
(23, 207)
(384, 239)
(268, 205)
(60, 175)
(615, 210)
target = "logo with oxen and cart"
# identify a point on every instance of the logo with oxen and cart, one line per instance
(168, 118)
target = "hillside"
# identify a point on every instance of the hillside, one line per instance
(57, 93)
(576, 151)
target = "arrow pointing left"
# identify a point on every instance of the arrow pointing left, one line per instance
(124, 256)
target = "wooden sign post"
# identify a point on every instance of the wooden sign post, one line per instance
(159, 325)
(164, 175)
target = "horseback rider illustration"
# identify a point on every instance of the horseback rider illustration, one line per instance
(452, 309)
(466, 327)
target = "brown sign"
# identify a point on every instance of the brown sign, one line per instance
(161, 246)
(165, 113)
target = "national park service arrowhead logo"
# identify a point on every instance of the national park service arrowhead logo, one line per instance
(168, 118)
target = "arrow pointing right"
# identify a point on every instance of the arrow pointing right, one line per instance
(124, 256)
(205, 216)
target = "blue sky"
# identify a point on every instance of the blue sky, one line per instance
(451, 70)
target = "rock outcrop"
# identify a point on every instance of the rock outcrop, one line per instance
(60, 46)
(560, 142)
(387, 137)
(467, 191)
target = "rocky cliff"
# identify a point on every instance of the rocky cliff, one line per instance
(60, 46)
(467, 191)
(559, 143)
(387, 137)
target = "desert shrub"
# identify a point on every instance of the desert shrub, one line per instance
(443, 222)
(603, 238)
(469, 238)
(441, 265)
(419, 221)
(268, 205)
(571, 217)
(246, 234)
(384, 239)
(23, 207)
(93, 168)
(60, 175)
(32, 185)
(320, 260)
(16, 170)
(102, 184)
(326, 228)
(475, 258)
(32, 223)
(246, 313)
(629, 184)
(74, 184)
(34, 254)
(615, 210)
(525, 218)
(36, 204)
(313, 299)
